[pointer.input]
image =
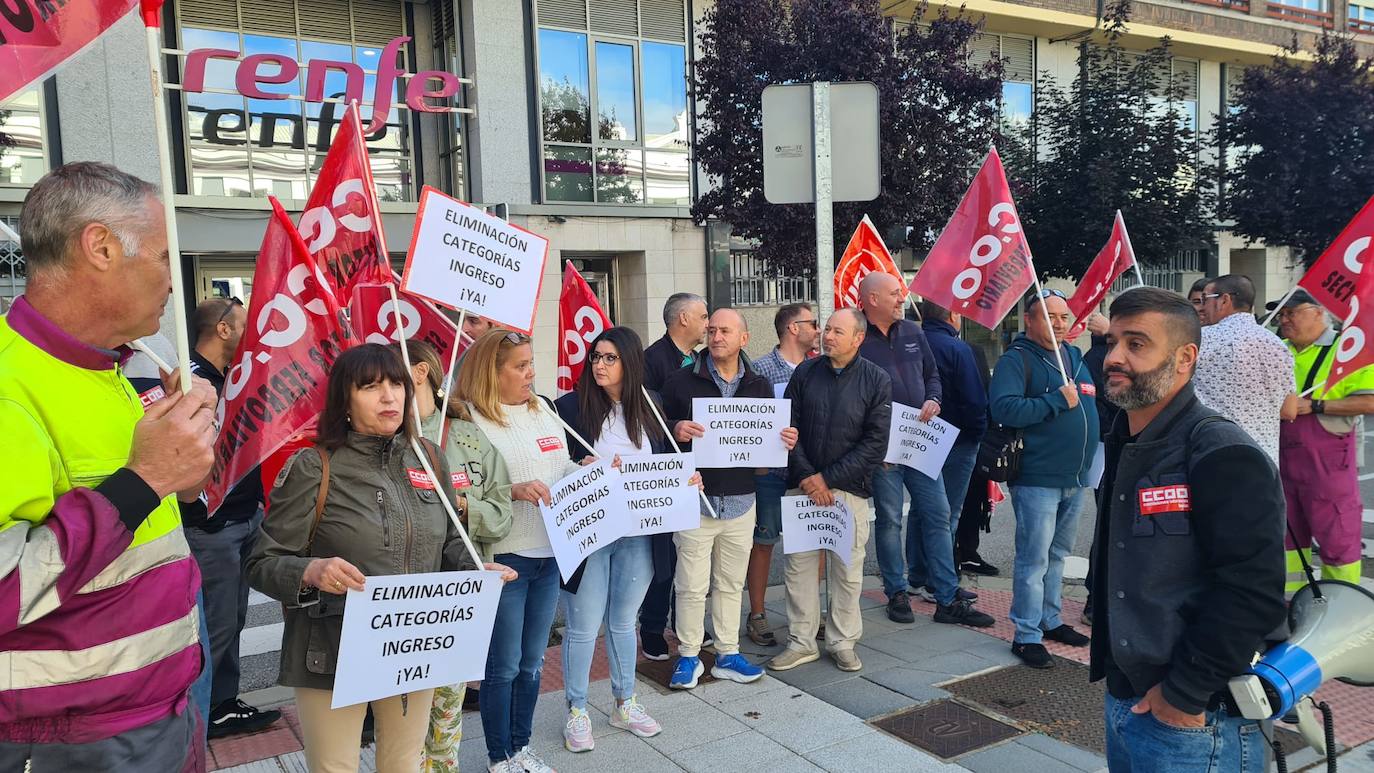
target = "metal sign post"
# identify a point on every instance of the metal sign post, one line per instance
(825, 222)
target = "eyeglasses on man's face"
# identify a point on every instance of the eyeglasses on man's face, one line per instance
(228, 309)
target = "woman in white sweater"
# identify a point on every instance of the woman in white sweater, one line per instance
(496, 382)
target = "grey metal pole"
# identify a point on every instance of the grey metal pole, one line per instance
(825, 229)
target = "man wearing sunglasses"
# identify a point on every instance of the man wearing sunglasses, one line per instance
(1244, 371)
(222, 544)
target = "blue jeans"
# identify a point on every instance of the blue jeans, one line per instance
(957, 472)
(1139, 743)
(770, 488)
(929, 540)
(515, 659)
(200, 689)
(1046, 524)
(614, 581)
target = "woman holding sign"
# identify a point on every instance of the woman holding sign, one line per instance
(358, 504)
(610, 408)
(496, 386)
(482, 484)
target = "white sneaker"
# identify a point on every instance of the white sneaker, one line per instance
(631, 716)
(505, 766)
(577, 734)
(922, 593)
(527, 760)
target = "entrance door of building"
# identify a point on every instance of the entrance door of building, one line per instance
(224, 277)
(599, 271)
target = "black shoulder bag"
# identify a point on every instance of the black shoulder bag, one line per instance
(999, 455)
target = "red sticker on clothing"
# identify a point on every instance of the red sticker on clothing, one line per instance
(1088, 389)
(551, 443)
(461, 480)
(1165, 499)
(420, 479)
(152, 396)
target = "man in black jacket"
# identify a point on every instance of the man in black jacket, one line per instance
(1188, 560)
(221, 545)
(715, 555)
(842, 408)
(684, 322)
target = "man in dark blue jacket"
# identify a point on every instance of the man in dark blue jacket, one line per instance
(1059, 421)
(899, 346)
(965, 405)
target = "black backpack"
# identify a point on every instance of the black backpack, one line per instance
(999, 455)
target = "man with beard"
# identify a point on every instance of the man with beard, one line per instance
(1189, 570)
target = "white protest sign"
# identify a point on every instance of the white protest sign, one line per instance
(588, 513)
(922, 446)
(463, 258)
(778, 389)
(741, 432)
(1098, 466)
(807, 526)
(657, 494)
(407, 632)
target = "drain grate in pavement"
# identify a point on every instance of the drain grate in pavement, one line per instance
(945, 728)
(660, 672)
(1056, 701)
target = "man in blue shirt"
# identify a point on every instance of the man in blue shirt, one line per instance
(899, 347)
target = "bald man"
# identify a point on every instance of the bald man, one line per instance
(926, 565)
(715, 555)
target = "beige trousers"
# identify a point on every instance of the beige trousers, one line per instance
(845, 625)
(714, 557)
(331, 735)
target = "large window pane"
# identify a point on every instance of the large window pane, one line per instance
(22, 162)
(335, 80)
(564, 92)
(615, 92)
(217, 171)
(1018, 100)
(219, 73)
(619, 176)
(567, 173)
(216, 118)
(665, 95)
(281, 174)
(667, 178)
(265, 44)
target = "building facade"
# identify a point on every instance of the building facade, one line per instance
(575, 122)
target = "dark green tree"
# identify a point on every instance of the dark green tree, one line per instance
(1120, 136)
(1300, 147)
(938, 114)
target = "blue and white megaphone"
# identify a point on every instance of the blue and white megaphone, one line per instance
(1333, 638)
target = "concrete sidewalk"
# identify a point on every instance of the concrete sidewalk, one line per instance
(812, 718)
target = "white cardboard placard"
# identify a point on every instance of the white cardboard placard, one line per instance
(741, 432)
(587, 514)
(808, 526)
(922, 446)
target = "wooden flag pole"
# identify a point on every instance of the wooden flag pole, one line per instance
(661, 423)
(1279, 305)
(152, 26)
(1040, 294)
(448, 375)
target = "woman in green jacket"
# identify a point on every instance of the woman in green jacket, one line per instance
(482, 484)
(330, 530)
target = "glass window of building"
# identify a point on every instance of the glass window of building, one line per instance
(613, 101)
(238, 146)
(23, 152)
(1360, 17)
(1018, 75)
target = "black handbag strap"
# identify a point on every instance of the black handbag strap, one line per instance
(1316, 367)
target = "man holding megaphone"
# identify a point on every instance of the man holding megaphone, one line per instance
(1188, 556)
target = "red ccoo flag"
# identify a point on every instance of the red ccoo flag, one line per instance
(981, 264)
(1115, 258)
(865, 254)
(37, 36)
(370, 313)
(1353, 349)
(1332, 278)
(295, 331)
(342, 224)
(580, 321)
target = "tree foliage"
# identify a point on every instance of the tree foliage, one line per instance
(1119, 137)
(938, 113)
(1300, 142)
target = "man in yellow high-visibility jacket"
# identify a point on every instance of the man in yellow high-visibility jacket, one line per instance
(1317, 447)
(99, 629)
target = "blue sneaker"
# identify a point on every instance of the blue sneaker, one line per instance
(685, 676)
(736, 669)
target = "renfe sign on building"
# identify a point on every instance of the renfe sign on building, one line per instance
(257, 70)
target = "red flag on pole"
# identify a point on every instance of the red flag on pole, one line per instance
(295, 331)
(580, 321)
(1115, 258)
(865, 254)
(38, 36)
(1353, 349)
(342, 224)
(373, 322)
(1332, 278)
(981, 264)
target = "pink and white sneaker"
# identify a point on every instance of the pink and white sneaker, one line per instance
(577, 734)
(631, 716)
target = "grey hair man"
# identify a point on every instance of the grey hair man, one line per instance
(684, 320)
(96, 579)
